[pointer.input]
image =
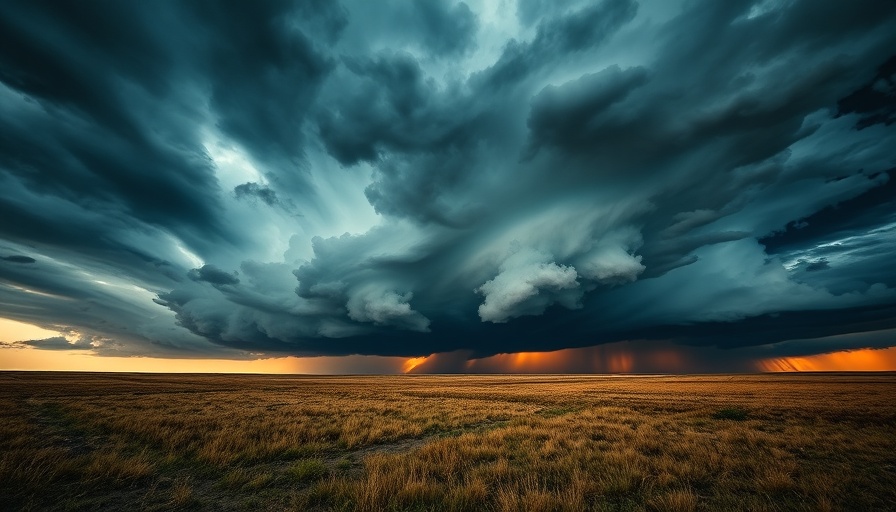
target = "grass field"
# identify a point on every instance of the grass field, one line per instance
(72, 441)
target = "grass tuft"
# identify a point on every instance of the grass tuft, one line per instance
(182, 495)
(731, 413)
(679, 500)
(308, 470)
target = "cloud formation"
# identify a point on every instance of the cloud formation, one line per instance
(16, 258)
(214, 275)
(304, 178)
(526, 284)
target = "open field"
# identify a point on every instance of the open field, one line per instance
(156, 442)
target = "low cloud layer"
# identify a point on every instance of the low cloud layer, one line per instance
(207, 179)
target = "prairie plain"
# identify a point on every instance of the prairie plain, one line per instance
(75, 441)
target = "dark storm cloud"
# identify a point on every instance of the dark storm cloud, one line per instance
(214, 275)
(254, 192)
(876, 100)
(387, 109)
(562, 116)
(104, 164)
(444, 177)
(106, 311)
(563, 35)
(815, 266)
(446, 28)
(264, 70)
(532, 11)
(15, 258)
(267, 195)
(82, 137)
(852, 216)
(58, 343)
(439, 29)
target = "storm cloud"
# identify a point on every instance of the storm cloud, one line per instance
(411, 178)
(16, 258)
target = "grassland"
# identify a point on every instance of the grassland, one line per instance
(158, 442)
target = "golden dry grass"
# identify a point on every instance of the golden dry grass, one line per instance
(502, 443)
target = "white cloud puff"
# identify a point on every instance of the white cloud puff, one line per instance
(386, 308)
(528, 282)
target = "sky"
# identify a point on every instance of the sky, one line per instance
(440, 186)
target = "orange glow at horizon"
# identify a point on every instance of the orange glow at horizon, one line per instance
(863, 360)
(634, 357)
(14, 356)
(605, 358)
(412, 363)
(11, 330)
(620, 357)
(85, 360)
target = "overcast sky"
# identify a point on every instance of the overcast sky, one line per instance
(401, 178)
